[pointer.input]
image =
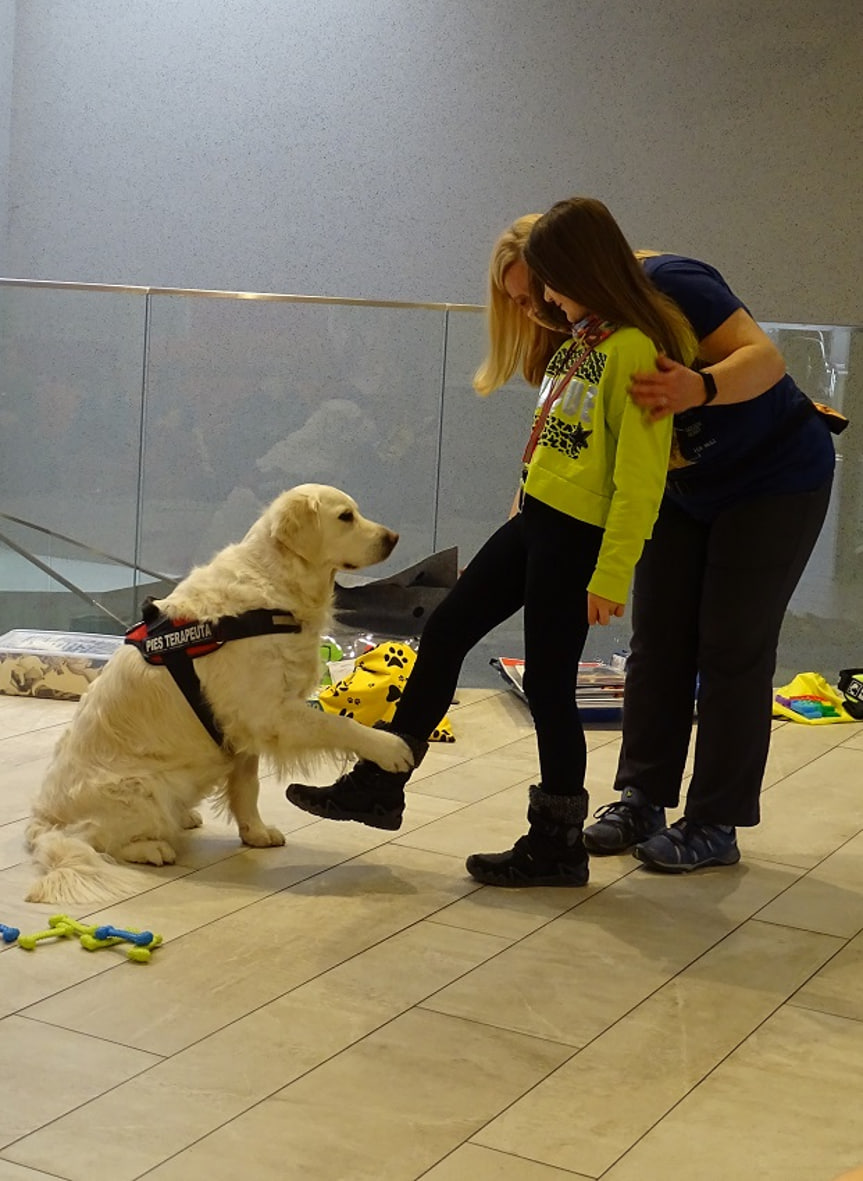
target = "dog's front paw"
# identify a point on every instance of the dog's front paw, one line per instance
(149, 852)
(392, 754)
(261, 836)
(192, 819)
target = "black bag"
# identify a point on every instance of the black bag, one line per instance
(851, 684)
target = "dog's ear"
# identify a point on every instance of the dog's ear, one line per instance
(296, 523)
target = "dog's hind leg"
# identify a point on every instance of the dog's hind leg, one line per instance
(148, 851)
(242, 789)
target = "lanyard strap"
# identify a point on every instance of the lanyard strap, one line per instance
(590, 333)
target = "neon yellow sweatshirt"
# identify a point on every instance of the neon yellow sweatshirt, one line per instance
(599, 459)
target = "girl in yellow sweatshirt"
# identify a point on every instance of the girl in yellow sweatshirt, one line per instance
(594, 469)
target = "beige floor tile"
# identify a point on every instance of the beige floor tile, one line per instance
(12, 850)
(668, 1044)
(784, 1105)
(465, 695)
(476, 779)
(484, 1164)
(480, 727)
(26, 715)
(35, 747)
(489, 824)
(47, 1072)
(193, 1093)
(855, 742)
(516, 913)
(638, 933)
(828, 898)
(216, 974)
(794, 746)
(406, 1096)
(813, 812)
(13, 1172)
(838, 987)
(21, 782)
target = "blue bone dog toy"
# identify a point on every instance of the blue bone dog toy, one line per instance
(9, 934)
(107, 936)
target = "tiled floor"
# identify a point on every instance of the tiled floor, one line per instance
(353, 1007)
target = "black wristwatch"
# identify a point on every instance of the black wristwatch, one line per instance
(710, 390)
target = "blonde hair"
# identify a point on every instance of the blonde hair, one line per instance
(515, 341)
(578, 250)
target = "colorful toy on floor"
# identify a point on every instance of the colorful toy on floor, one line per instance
(8, 934)
(93, 938)
(108, 936)
(809, 706)
(810, 699)
(59, 927)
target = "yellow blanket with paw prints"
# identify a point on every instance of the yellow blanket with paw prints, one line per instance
(371, 691)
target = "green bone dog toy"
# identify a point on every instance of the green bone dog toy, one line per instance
(93, 938)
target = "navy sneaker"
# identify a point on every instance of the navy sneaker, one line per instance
(620, 826)
(686, 845)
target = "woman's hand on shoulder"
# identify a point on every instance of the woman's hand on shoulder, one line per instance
(600, 610)
(670, 388)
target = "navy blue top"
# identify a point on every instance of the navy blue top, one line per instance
(728, 453)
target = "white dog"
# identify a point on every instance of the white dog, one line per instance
(136, 759)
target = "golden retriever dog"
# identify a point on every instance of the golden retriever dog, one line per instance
(136, 760)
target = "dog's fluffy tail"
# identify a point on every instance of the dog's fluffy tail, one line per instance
(74, 872)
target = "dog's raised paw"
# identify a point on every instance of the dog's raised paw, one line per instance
(261, 836)
(192, 819)
(392, 753)
(149, 852)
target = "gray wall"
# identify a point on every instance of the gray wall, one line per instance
(7, 47)
(375, 147)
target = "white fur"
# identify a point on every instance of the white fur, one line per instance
(135, 761)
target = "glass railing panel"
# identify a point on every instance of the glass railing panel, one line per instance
(249, 397)
(823, 629)
(70, 406)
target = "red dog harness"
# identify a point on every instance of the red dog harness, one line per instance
(175, 643)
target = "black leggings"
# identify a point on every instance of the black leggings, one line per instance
(708, 602)
(541, 560)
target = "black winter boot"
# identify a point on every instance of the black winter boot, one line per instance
(367, 793)
(551, 854)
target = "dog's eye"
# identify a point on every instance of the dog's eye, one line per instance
(347, 515)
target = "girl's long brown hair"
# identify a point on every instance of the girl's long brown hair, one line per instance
(579, 250)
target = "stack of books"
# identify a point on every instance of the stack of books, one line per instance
(600, 686)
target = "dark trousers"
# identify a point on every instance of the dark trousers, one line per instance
(708, 603)
(541, 560)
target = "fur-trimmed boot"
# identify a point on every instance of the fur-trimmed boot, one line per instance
(551, 853)
(367, 794)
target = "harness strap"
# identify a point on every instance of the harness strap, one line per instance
(182, 669)
(176, 644)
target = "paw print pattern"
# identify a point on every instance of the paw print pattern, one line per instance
(394, 657)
